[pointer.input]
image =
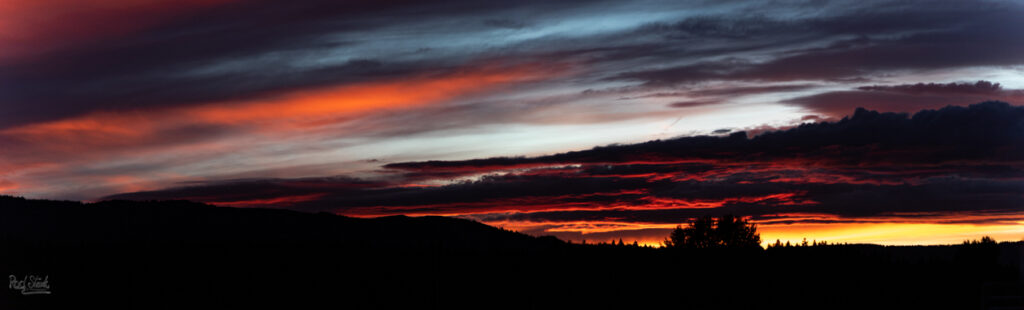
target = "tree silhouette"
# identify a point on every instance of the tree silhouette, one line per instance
(984, 240)
(707, 232)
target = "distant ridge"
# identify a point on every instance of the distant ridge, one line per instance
(118, 221)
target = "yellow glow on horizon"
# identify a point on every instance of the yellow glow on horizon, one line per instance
(883, 233)
(890, 233)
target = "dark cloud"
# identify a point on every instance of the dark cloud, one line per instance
(979, 87)
(989, 131)
(944, 38)
(357, 197)
(255, 189)
(712, 96)
(693, 103)
(749, 90)
(849, 203)
(505, 23)
(851, 59)
(906, 97)
(756, 29)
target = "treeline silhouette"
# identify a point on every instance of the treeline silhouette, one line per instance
(706, 232)
(178, 254)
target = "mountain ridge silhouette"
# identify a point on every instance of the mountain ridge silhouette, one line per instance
(175, 254)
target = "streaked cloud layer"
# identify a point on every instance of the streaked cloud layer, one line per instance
(373, 108)
(954, 165)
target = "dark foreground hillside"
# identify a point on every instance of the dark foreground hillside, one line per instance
(173, 255)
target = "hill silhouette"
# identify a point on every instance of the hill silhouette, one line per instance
(175, 254)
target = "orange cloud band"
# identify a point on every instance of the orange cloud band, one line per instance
(290, 111)
(102, 135)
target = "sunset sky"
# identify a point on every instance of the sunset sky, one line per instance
(593, 120)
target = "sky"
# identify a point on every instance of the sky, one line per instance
(892, 122)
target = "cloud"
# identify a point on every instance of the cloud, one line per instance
(868, 136)
(935, 165)
(848, 203)
(169, 141)
(236, 192)
(692, 103)
(916, 47)
(215, 53)
(906, 97)
(197, 52)
(980, 87)
(106, 131)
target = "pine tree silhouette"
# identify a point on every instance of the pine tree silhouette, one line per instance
(707, 232)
